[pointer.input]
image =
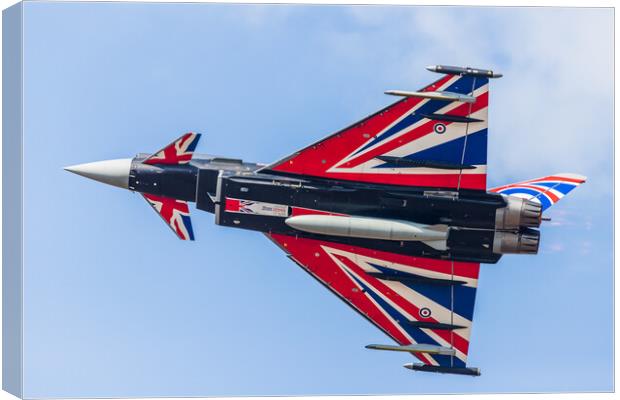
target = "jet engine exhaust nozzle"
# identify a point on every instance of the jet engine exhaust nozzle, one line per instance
(525, 242)
(518, 213)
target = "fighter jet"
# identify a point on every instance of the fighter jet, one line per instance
(392, 214)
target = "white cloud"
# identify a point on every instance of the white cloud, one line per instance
(556, 247)
(261, 16)
(586, 247)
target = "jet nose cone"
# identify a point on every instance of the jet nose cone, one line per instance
(112, 172)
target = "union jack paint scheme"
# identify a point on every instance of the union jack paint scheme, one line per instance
(547, 190)
(364, 278)
(174, 212)
(408, 143)
(391, 214)
(178, 152)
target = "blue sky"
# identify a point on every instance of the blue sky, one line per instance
(115, 305)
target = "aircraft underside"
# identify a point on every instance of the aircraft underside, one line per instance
(392, 214)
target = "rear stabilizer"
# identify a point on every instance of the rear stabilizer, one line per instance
(547, 190)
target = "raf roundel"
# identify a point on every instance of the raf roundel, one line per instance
(425, 312)
(439, 128)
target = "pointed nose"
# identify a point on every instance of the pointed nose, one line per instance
(112, 172)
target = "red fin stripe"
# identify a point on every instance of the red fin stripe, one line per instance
(556, 178)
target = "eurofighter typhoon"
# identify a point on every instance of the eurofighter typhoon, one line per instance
(392, 214)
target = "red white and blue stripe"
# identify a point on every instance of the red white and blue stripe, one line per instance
(180, 151)
(174, 212)
(389, 304)
(547, 190)
(406, 131)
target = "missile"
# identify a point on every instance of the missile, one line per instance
(444, 96)
(415, 348)
(371, 228)
(447, 69)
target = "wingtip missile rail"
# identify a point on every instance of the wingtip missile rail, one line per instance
(443, 370)
(448, 69)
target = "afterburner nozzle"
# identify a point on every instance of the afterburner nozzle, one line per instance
(112, 172)
(524, 242)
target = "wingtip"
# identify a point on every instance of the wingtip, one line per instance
(570, 175)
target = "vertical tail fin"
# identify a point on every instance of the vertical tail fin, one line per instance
(547, 190)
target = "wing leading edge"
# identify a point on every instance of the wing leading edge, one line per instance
(420, 303)
(417, 141)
